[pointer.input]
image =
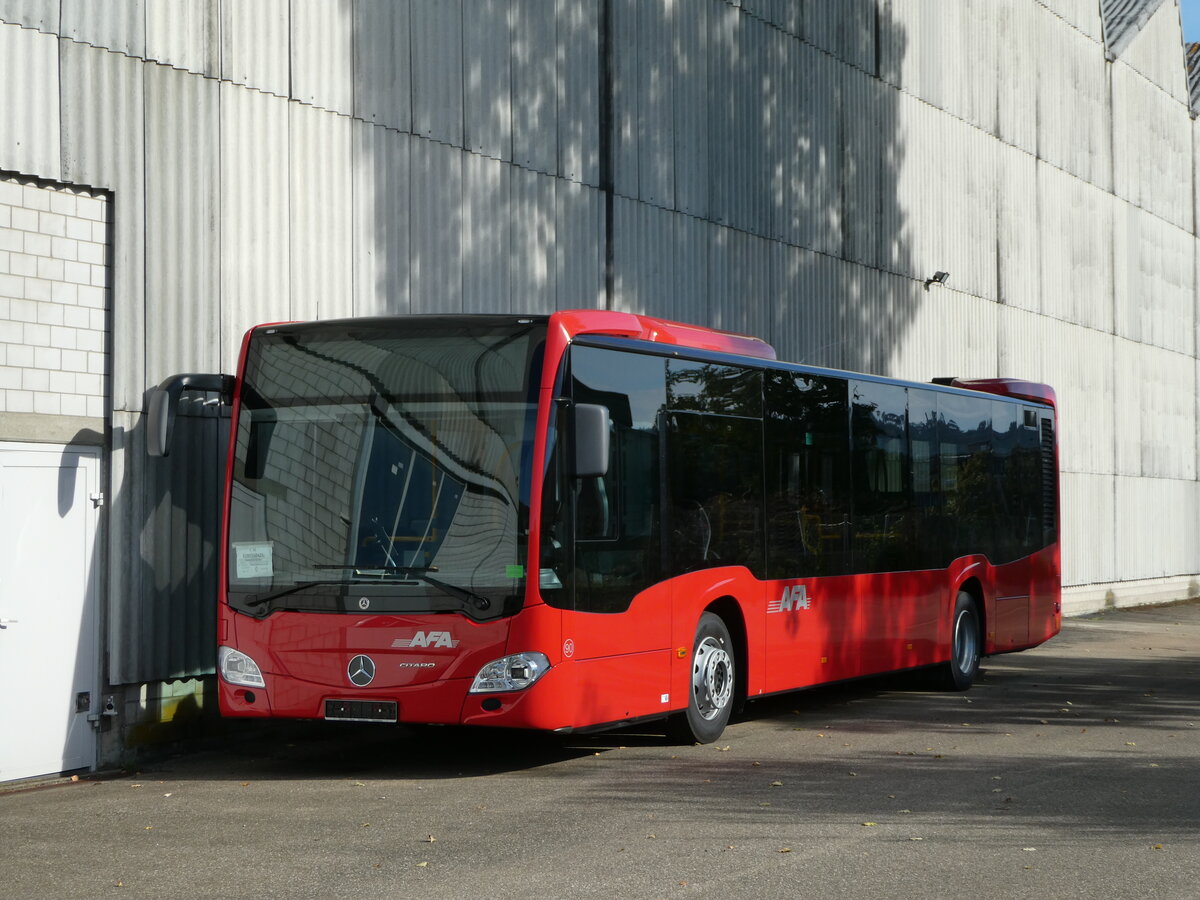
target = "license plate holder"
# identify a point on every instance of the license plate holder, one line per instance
(362, 711)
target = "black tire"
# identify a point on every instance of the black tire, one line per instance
(712, 684)
(965, 645)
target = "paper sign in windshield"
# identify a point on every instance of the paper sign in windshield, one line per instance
(254, 560)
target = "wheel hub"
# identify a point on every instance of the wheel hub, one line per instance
(712, 678)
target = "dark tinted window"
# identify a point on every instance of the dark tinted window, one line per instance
(880, 468)
(967, 473)
(807, 468)
(1007, 527)
(712, 388)
(931, 529)
(618, 549)
(715, 465)
(835, 477)
(1024, 486)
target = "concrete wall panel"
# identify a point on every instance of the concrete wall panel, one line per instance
(1087, 526)
(321, 219)
(118, 25)
(579, 254)
(486, 234)
(1156, 527)
(436, 241)
(531, 267)
(534, 99)
(1017, 75)
(1081, 15)
(1154, 272)
(1080, 365)
(322, 53)
(29, 127)
(1074, 126)
(578, 52)
(1154, 409)
(845, 30)
(255, 226)
(383, 63)
(487, 79)
(437, 70)
(255, 44)
(382, 189)
(41, 15)
(184, 34)
(1152, 150)
(1075, 224)
(182, 223)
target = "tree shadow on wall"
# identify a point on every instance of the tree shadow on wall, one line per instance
(755, 173)
(729, 165)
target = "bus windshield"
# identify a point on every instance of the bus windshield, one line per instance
(384, 466)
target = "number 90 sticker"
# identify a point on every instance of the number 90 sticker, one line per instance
(568, 648)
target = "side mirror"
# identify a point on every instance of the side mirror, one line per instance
(164, 399)
(591, 431)
(160, 421)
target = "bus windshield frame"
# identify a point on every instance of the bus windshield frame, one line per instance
(384, 465)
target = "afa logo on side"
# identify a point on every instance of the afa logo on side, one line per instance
(793, 599)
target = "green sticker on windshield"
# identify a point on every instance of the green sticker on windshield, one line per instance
(514, 571)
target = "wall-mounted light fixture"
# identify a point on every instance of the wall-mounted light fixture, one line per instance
(938, 278)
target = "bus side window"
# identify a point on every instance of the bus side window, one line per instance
(965, 451)
(1025, 485)
(805, 426)
(617, 543)
(716, 491)
(714, 465)
(880, 463)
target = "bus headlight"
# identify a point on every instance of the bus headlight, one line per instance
(512, 673)
(237, 668)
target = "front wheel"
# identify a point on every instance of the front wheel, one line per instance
(710, 685)
(965, 642)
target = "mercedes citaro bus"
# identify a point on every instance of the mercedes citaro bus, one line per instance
(593, 518)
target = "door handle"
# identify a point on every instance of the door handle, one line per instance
(4, 623)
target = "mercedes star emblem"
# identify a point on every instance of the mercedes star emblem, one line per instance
(361, 671)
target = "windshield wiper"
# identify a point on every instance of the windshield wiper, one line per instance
(260, 599)
(420, 574)
(371, 570)
(416, 572)
(462, 594)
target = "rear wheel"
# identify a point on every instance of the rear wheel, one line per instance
(965, 643)
(711, 684)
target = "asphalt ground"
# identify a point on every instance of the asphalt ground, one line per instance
(1071, 770)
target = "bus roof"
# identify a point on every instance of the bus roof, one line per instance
(599, 323)
(660, 331)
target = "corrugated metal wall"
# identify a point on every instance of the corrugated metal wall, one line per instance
(792, 169)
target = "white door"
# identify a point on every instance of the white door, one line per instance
(48, 604)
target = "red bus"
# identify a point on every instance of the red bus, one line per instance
(593, 518)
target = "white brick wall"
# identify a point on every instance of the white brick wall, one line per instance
(53, 300)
